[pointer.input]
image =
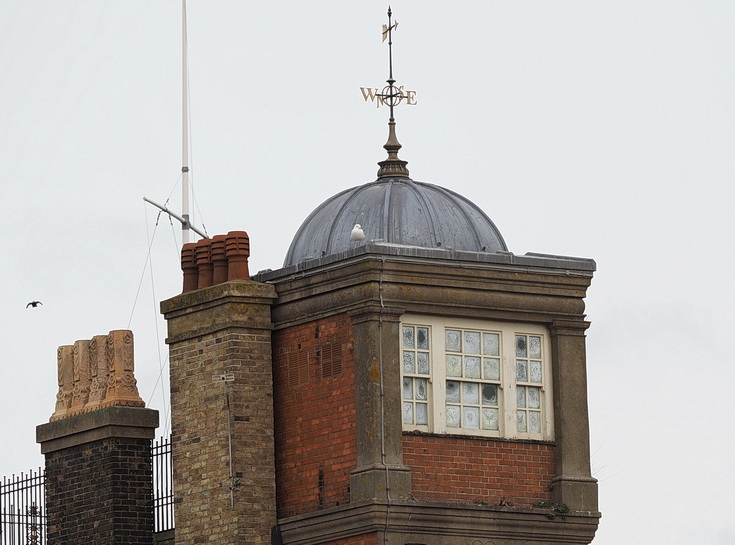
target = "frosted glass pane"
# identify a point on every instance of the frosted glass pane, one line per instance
(471, 418)
(423, 363)
(520, 397)
(452, 391)
(521, 421)
(472, 342)
(421, 389)
(409, 365)
(534, 422)
(407, 388)
(490, 420)
(470, 393)
(490, 394)
(454, 366)
(535, 369)
(522, 370)
(521, 350)
(408, 337)
(422, 338)
(491, 344)
(453, 340)
(471, 367)
(422, 414)
(534, 347)
(408, 413)
(452, 416)
(534, 398)
(491, 369)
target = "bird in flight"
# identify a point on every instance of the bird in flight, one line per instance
(34, 304)
(357, 233)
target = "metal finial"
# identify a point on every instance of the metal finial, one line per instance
(392, 96)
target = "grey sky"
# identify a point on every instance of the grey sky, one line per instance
(591, 129)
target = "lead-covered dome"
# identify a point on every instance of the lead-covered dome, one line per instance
(396, 210)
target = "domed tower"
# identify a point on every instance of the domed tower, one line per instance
(428, 386)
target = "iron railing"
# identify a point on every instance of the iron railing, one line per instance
(22, 513)
(22, 507)
(163, 485)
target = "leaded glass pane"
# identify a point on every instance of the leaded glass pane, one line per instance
(454, 366)
(471, 417)
(471, 367)
(422, 414)
(408, 337)
(452, 391)
(520, 397)
(490, 420)
(409, 364)
(407, 388)
(491, 369)
(423, 363)
(489, 394)
(521, 351)
(522, 370)
(535, 371)
(491, 344)
(534, 398)
(534, 422)
(453, 340)
(472, 342)
(422, 338)
(534, 347)
(452, 412)
(408, 413)
(521, 421)
(421, 389)
(470, 392)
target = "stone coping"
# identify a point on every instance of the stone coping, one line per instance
(109, 422)
(529, 261)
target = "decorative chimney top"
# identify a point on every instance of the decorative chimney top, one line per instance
(96, 373)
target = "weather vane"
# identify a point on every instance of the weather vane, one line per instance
(392, 96)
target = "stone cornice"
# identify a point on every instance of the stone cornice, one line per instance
(436, 523)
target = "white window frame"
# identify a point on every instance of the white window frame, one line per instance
(508, 383)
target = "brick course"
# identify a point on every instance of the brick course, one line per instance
(100, 492)
(478, 470)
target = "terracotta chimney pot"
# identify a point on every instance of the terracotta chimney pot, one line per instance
(219, 259)
(189, 266)
(237, 248)
(203, 253)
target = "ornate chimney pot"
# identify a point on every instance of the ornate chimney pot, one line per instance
(219, 259)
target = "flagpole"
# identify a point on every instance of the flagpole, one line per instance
(185, 130)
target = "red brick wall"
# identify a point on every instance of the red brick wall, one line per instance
(314, 415)
(473, 470)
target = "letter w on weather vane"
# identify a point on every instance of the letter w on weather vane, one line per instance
(391, 95)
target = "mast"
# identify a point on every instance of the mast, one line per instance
(185, 130)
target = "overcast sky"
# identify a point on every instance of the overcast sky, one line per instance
(591, 129)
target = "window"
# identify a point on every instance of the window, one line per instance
(476, 378)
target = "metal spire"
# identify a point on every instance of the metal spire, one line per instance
(392, 96)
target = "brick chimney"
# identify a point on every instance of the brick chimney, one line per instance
(219, 337)
(97, 445)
